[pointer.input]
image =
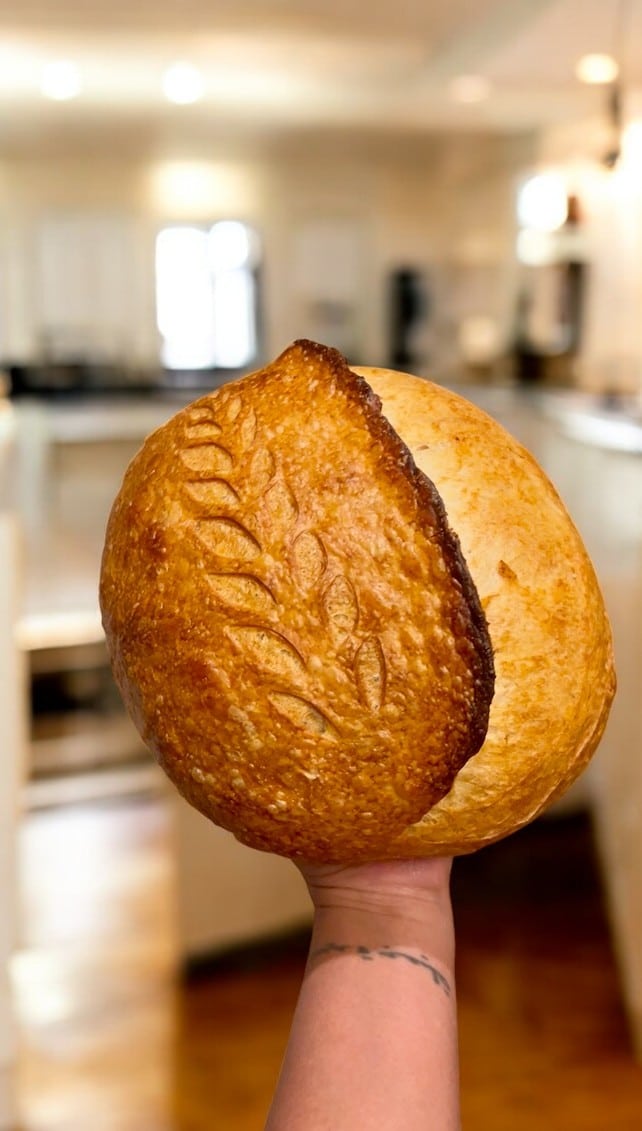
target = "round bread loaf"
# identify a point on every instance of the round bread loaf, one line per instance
(351, 617)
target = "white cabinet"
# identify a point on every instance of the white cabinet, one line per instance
(229, 894)
(87, 300)
(609, 511)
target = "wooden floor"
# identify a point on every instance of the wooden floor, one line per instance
(112, 1041)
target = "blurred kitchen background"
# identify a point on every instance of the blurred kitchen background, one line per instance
(185, 187)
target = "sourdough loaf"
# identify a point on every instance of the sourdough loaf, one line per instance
(350, 615)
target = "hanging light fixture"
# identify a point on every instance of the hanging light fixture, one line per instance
(614, 108)
(613, 151)
(606, 69)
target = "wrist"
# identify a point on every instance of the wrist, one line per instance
(347, 921)
(393, 889)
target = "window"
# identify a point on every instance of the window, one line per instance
(206, 300)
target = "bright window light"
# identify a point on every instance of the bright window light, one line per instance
(234, 330)
(183, 299)
(542, 203)
(206, 296)
(230, 245)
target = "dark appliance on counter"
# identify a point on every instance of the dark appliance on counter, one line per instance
(409, 311)
(85, 379)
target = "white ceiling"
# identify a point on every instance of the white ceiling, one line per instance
(278, 65)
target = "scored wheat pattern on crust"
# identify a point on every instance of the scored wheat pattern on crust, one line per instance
(269, 650)
(242, 591)
(227, 538)
(309, 559)
(303, 714)
(370, 668)
(222, 499)
(212, 494)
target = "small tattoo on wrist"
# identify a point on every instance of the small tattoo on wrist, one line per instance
(368, 954)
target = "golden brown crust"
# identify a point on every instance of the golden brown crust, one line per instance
(551, 638)
(291, 620)
(295, 629)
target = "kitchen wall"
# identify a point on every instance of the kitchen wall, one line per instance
(442, 203)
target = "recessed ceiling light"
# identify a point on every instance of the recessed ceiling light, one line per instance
(469, 88)
(61, 80)
(183, 83)
(597, 69)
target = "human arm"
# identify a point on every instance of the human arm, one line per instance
(373, 1043)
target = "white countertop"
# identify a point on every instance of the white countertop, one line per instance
(63, 471)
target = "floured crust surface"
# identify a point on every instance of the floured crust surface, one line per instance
(291, 620)
(551, 639)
